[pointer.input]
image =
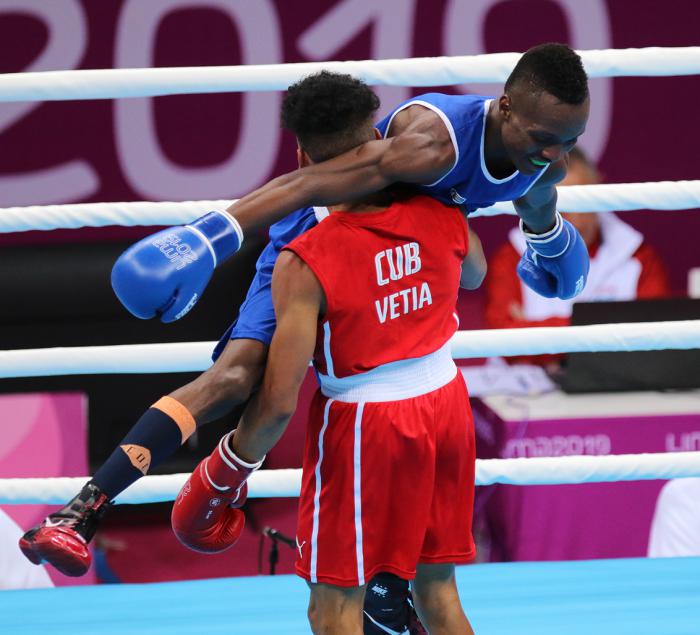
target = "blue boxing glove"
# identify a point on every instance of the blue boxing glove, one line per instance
(555, 264)
(165, 274)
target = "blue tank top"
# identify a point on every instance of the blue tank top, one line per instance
(469, 183)
(285, 231)
(294, 224)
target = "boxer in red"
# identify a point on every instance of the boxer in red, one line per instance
(388, 474)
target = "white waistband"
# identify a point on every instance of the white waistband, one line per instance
(394, 381)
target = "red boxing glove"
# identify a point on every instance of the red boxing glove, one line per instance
(205, 515)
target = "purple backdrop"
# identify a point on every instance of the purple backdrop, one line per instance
(218, 146)
(575, 522)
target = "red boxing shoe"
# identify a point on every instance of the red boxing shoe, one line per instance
(61, 540)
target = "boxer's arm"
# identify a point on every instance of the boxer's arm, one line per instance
(555, 263)
(298, 299)
(474, 265)
(537, 208)
(420, 151)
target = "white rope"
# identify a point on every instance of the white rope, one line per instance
(588, 469)
(616, 197)
(287, 483)
(73, 216)
(662, 195)
(91, 360)
(150, 489)
(596, 338)
(195, 356)
(428, 71)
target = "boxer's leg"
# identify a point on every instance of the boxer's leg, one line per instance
(334, 609)
(62, 538)
(437, 600)
(170, 421)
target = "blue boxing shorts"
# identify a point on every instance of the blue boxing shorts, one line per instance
(256, 316)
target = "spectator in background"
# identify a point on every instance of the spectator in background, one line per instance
(623, 267)
(675, 528)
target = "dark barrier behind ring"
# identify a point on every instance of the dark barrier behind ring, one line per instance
(60, 295)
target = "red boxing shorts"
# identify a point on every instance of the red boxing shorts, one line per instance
(386, 485)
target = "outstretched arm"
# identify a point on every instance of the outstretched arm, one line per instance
(298, 298)
(165, 274)
(420, 152)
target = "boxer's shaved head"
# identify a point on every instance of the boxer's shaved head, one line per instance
(329, 113)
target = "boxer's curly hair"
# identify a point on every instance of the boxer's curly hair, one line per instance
(552, 68)
(329, 113)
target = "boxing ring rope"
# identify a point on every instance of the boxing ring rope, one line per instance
(287, 483)
(427, 71)
(196, 356)
(117, 83)
(662, 195)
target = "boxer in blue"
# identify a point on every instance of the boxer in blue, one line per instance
(466, 150)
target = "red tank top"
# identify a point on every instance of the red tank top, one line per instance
(390, 279)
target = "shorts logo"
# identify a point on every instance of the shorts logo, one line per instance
(299, 546)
